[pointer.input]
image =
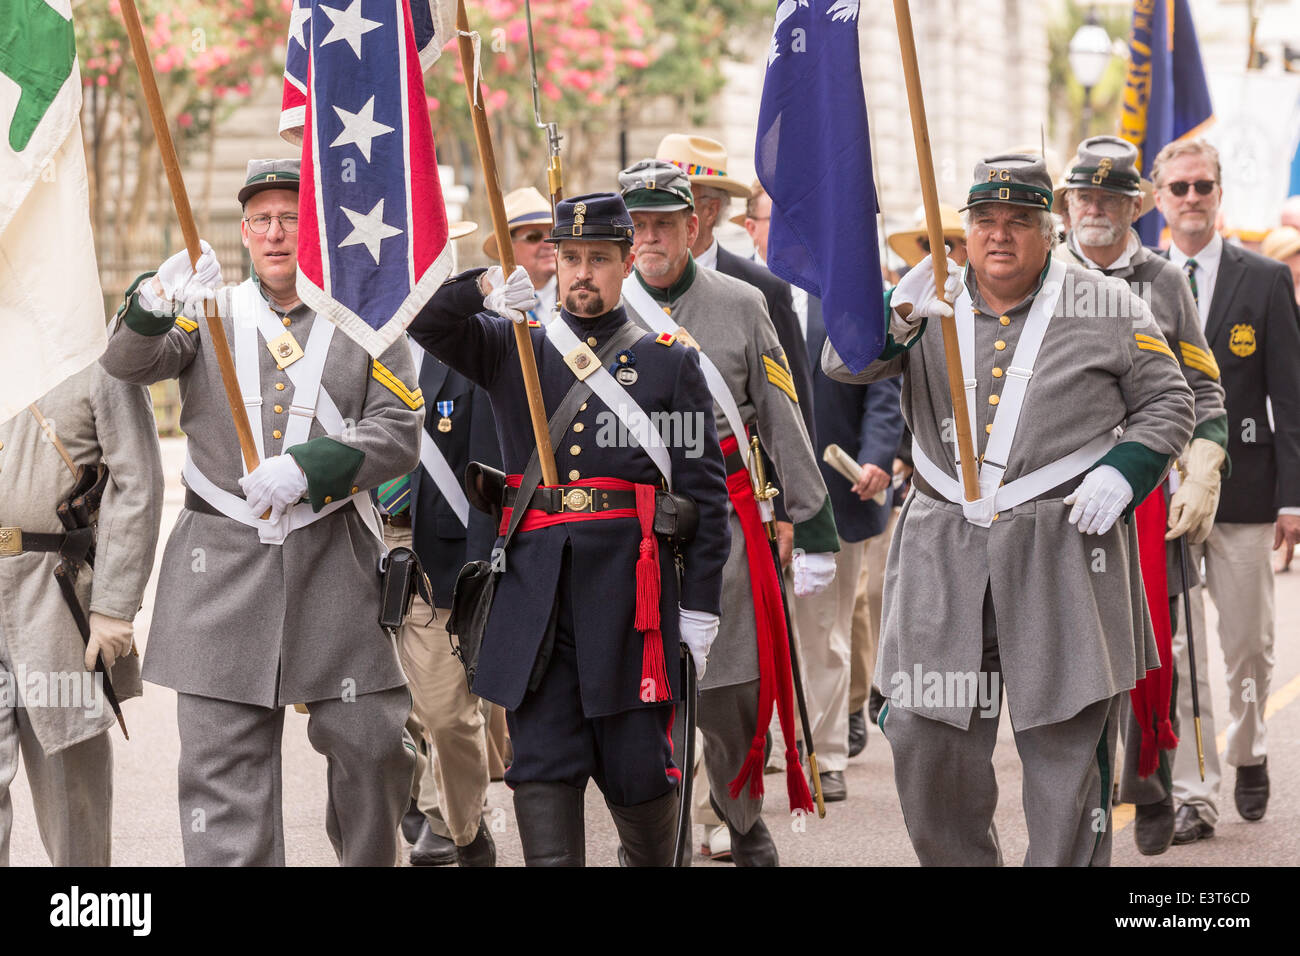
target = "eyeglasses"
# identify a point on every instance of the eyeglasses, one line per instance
(1203, 187)
(924, 243)
(260, 224)
(533, 235)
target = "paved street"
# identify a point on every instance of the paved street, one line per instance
(867, 829)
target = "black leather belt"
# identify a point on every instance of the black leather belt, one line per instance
(734, 462)
(557, 500)
(194, 503)
(402, 520)
(17, 541)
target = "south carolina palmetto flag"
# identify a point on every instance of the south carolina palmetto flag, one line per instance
(372, 236)
(51, 304)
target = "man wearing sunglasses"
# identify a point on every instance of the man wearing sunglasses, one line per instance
(1104, 196)
(1247, 308)
(253, 614)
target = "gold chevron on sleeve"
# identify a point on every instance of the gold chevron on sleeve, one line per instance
(1151, 344)
(778, 376)
(186, 325)
(1199, 359)
(413, 399)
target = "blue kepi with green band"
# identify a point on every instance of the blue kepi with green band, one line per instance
(1017, 178)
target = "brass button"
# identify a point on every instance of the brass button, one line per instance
(575, 449)
(287, 321)
(279, 409)
(1005, 319)
(279, 386)
(355, 489)
(993, 399)
(578, 426)
(591, 340)
(582, 407)
(997, 373)
(988, 429)
(574, 476)
(995, 516)
(328, 499)
(999, 345)
(276, 434)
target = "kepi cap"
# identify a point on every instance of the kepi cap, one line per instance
(595, 217)
(263, 174)
(655, 184)
(1017, 178)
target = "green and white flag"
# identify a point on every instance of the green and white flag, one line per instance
(51, 305)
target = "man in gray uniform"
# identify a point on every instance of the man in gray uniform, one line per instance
(1003, 588)
(254, 614)
(1105, 196)
(65, 744)
(749, 377)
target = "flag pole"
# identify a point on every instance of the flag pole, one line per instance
(487, 160)
(172, 167)
(930, 196)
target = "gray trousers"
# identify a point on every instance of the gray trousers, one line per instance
(727, 717)
(230, 783)
(948, 789)
(72, 793)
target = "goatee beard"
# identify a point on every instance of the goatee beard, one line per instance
(596, 303)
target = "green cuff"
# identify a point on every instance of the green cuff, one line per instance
(1216, 430)
(893, 349)
(139, 319)
(818, 534)
(330, 467)
(1141, 467)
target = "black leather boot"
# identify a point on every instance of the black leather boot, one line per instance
(754, 848)
(647, 830)
(481, 851)
(1153, 828)
(550, 822)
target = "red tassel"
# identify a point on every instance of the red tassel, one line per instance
(647, 586)
(1148, 755)
(654, 672)
(751, 770)
(796, 785)
(1167, 738)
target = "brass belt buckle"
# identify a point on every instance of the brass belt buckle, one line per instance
(11, 541)
(577, 499)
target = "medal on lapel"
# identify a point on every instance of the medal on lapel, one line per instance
(445, 409)
(285, 350)
(623, 367)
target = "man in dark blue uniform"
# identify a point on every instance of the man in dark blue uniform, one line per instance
(588, 612)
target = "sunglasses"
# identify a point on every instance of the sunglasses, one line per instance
(1203, 187)
(533, 235)
(924, 243)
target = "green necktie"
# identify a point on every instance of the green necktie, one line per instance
(1190, 269)
(395, 495)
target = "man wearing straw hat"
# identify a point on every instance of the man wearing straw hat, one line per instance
(1035, 584)
(1104, 196)
(528, 214)
(913, 245)
(254, 614)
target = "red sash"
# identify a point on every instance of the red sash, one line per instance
(774, 674)
(654, 671)
(1150, 697)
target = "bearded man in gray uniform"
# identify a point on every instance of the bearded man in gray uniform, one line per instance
(1104, 196)
(254, 614)
(726, 320)
(65, 743)
(1002, 589)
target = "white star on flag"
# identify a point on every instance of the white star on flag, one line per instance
(298, 19)
(360, 128)
(348, 25)
(368, 230)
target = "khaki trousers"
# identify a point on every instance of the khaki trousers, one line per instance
(1239, 578)
(866, 615)
(448, 713)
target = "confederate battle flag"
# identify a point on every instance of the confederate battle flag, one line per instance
(372, 237)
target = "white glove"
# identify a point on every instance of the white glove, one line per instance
(813, 573)
(510, 297)
(181, 282)
(276, 483)
(1192, 508)
(697, 630)
(1100, 498)
(916, 292)
(110, 637)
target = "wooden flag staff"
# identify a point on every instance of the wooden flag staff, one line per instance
(500, 226)
(930, 196)
(172, 166)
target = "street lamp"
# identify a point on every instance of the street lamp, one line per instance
(1090, 53)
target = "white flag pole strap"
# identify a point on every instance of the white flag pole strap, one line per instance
(652, 316)
(249, 377)
(617, 399)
